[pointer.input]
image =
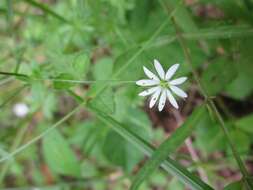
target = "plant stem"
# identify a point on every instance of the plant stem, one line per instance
(218, 116)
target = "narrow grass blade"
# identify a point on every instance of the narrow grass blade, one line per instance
(47, 10)
(168, 165)
(168, 146)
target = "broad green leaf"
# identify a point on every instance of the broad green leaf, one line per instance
(105, 101)
(182, 16)
(241, 87)
(217, 75)
(210, 138)
(168, 146)
(62, 81)
(59, 156)
(123, 155)
(168, 165)
(242, 141)
(245, 123)
(238, 185)
(80, 65)
(103, 69)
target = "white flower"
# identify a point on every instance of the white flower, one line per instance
(162, 86)
(20, 109)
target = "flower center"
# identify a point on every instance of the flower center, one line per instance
(164, 84)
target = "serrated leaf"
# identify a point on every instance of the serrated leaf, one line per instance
(59, 156)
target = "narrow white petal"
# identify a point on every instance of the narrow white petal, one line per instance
(150, 74)
(162, 100)
(154, 97)
(171, 71)
(159, 69)
(178, 81)
(172, 99)
(178, 91)
(147, 82)
(149, 91)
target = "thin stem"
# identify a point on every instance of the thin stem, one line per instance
(213, 108)
(13, 74)
(84, 81)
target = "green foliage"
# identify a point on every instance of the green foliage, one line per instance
(58, 155)
(59, 56)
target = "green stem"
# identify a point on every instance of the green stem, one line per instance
(213, 109)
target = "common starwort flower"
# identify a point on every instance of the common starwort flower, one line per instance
(162, 86)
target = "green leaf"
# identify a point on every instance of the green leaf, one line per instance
(105, 101)
(80, 65)
(103, 69)
(238, 185)
(62, 81)
(168, 146)
(182, 16)
(123, 154)
(59, 156)
(168, 165)
(241, 87)
(245, 123)
(214, 81)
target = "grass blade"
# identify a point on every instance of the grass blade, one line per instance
(168, 146)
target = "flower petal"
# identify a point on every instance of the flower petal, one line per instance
(150, 74)
(154, 97)
(159, 69)
(147, 82)
(149, 91)
(172, 99)
(162, 100)
(171, 71)
(178, 91)
(178, 81)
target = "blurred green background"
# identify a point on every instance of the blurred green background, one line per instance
(102, 46)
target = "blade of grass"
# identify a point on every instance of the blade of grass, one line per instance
(167, 147)
(47, 10)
